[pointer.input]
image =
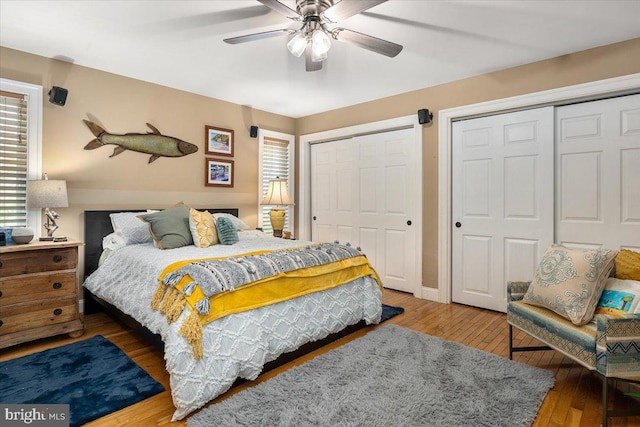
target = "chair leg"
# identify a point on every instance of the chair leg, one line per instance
(510, 342)
(605, 400)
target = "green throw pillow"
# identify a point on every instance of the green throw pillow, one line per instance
(227, 232)
(170, 227)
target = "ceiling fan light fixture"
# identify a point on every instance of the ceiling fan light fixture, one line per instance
(321, 42)
(297, 44)
(318, 57)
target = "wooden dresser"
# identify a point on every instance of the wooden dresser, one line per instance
(39, 295)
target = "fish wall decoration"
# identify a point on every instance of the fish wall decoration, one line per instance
(154, 143)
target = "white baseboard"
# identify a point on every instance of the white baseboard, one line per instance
(432, 294)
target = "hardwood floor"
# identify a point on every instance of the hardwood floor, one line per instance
(573, 401)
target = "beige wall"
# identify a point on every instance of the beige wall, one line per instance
(123, 105)
(590, 65)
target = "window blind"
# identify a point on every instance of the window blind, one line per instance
(13, 159)
(275, 163)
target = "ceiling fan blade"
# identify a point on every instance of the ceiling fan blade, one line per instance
(309, 64)
(364, 41)
(281, 8)
(258, 36)
(347, 8)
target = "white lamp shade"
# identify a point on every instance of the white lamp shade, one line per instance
(48, 193)
(277, 193)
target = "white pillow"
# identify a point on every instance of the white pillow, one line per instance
(237, 222)
(113, 242)
(131, 228)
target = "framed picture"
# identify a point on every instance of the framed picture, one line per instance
(218, 141)
(218, 173)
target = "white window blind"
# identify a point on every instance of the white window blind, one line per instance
(13, 159)
(276, 161)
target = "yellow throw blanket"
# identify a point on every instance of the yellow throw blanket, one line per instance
(173, 300)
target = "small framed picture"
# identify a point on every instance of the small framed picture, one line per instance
(218, 173)
(218, 141)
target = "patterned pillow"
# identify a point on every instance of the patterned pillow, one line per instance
(628, 265)
(128, 226)
(227, 232)
(619, 297)
(570, 281)
(203, 228)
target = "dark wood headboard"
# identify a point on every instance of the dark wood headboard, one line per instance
(97, 224)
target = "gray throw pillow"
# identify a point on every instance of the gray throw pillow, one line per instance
(170, 227)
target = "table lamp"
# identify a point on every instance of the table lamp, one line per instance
(278, 196)
(48, 194)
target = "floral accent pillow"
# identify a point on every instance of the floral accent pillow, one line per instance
(203, 228)
(570, 281)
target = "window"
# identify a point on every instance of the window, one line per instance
(276, 160)
(20, 151)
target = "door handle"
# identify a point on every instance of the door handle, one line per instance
(409, 222)
(458, 225)
(314, 217)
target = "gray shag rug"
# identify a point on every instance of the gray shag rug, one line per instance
(392, 376)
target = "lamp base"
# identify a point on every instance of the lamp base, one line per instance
(276, 216)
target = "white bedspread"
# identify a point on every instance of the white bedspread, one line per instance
(237, 345)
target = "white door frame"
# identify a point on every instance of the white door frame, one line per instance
(304, 159)
(581, 92)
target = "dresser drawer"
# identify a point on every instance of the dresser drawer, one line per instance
(21, 317)
(35, 261)
(37, 287)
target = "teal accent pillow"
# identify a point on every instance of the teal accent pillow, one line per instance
(170, 227)
(227, 232)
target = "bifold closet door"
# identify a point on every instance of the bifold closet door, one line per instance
(598, 174)
(502, 197)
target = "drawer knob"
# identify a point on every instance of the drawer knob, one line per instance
(57, 258)
(0, 264)
(1, 322)
(0, 293)
(57, 285)
(57, 311)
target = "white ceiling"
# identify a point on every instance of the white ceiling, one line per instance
(179, 44)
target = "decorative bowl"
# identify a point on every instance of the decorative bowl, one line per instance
(22, 235)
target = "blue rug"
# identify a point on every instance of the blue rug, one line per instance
(389, 311)
(93, 376)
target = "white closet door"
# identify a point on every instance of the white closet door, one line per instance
(598, 174)
(332, 189)
(361, 193)
(502, 203)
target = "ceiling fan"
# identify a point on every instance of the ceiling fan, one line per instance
(313, 38)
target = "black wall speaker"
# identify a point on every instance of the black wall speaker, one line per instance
(58, 95)
(424, 116)
(253, 133)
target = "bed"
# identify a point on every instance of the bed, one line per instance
(237, 345)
